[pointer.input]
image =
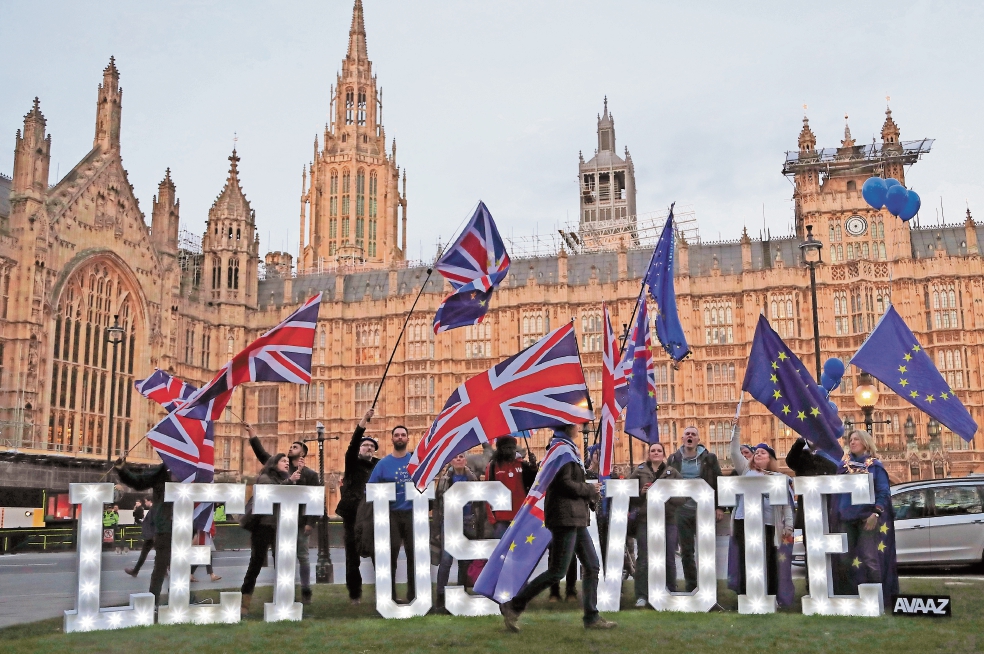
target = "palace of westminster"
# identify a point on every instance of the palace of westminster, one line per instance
(75, 254)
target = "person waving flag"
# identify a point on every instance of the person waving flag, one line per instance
(779, 380)
(475, 264)
(892, 355)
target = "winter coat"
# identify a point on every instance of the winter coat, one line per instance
(152, 478)
(138, 515)
(883, 490)
(645, 473)
(708, 464)
(569, 498)
(272, 477)
(806, 462)
(355, 477)
(782, 514)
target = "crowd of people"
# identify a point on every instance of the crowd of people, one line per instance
(571, 500)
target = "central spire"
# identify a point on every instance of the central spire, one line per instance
(357, 34)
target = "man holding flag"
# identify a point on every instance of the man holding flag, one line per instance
(566, 514)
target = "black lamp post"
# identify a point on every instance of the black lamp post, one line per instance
(910, 433)
(585, 433)
(810, 249)
(933, 429)
(324, 572)
(114, 335)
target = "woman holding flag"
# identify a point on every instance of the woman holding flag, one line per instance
(648, 473)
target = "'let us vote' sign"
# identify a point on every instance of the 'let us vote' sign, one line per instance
(929, 606)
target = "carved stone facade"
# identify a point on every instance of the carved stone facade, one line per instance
(77, 254)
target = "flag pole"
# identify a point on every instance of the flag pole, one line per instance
(399, 338)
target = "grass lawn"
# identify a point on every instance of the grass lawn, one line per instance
(332, 623)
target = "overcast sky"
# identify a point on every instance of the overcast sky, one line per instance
(494, 100)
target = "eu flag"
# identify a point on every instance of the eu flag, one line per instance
(893, 356)
(659, 277)
(779, 380)
(640, 412)
(524, 542)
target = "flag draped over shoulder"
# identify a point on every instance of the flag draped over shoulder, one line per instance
(186, 445)
(779, 380)
(640, 413)
(892, 355)
(521, 547)
(614, 388)
(659, 277)
(475, 264)
(283, 354)
(542, 386)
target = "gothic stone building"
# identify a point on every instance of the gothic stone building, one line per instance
(78, 255)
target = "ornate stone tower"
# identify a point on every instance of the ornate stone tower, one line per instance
(350, 195)
(164, 217)
(608, 194)
(32, 157)
(230, 245)
(109, 106)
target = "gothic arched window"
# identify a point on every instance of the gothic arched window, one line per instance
(349, 105)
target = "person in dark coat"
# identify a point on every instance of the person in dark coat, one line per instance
(147, 533)
(806, 462)
(473, 516)
(138, 512)
(305, 524)
(153, 478)
(360, 459)
(567, 513)
(693, 461)
(648, 473)
(264, 530)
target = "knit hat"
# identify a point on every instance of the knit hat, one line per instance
(370, 439)
(765, 446)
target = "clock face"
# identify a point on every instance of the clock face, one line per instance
(856, 225)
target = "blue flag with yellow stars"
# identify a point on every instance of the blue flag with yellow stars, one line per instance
(524, 542)
(893, 356)
(779, 380)
(659, 277)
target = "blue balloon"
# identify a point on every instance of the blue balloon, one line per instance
(874, 191)
(833, 368)
(833, 405)
(890, 182)
(895, 199)
(911, 207)
(828, 382)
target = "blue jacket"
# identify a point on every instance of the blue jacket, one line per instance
(883, 494)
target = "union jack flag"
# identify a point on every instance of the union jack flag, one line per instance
(542, 386)
(168, 391)
(283, 354)
(640, 414)
(186, 445)
(614, 389)
(475, 264)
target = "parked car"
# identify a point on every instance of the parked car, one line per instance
(938, 522)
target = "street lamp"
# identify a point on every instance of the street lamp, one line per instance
(114, 335)
(910, 433)
(810, 249)
(933, 429)
(866, 396)
(585, 432)
(324, 572)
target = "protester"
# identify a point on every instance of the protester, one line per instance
(515, 474)
(305, 524)
(804, 461)
(870, 528)
(264, 527)
(138, 512)
(147, 534)
(570, 581)
(567, 512)
(393, 467)
(693, 461)
(154, 479)
(648, 472)
(746, 451)
(360, 460)
(457, 471)
(204, 538)
(778, 527)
